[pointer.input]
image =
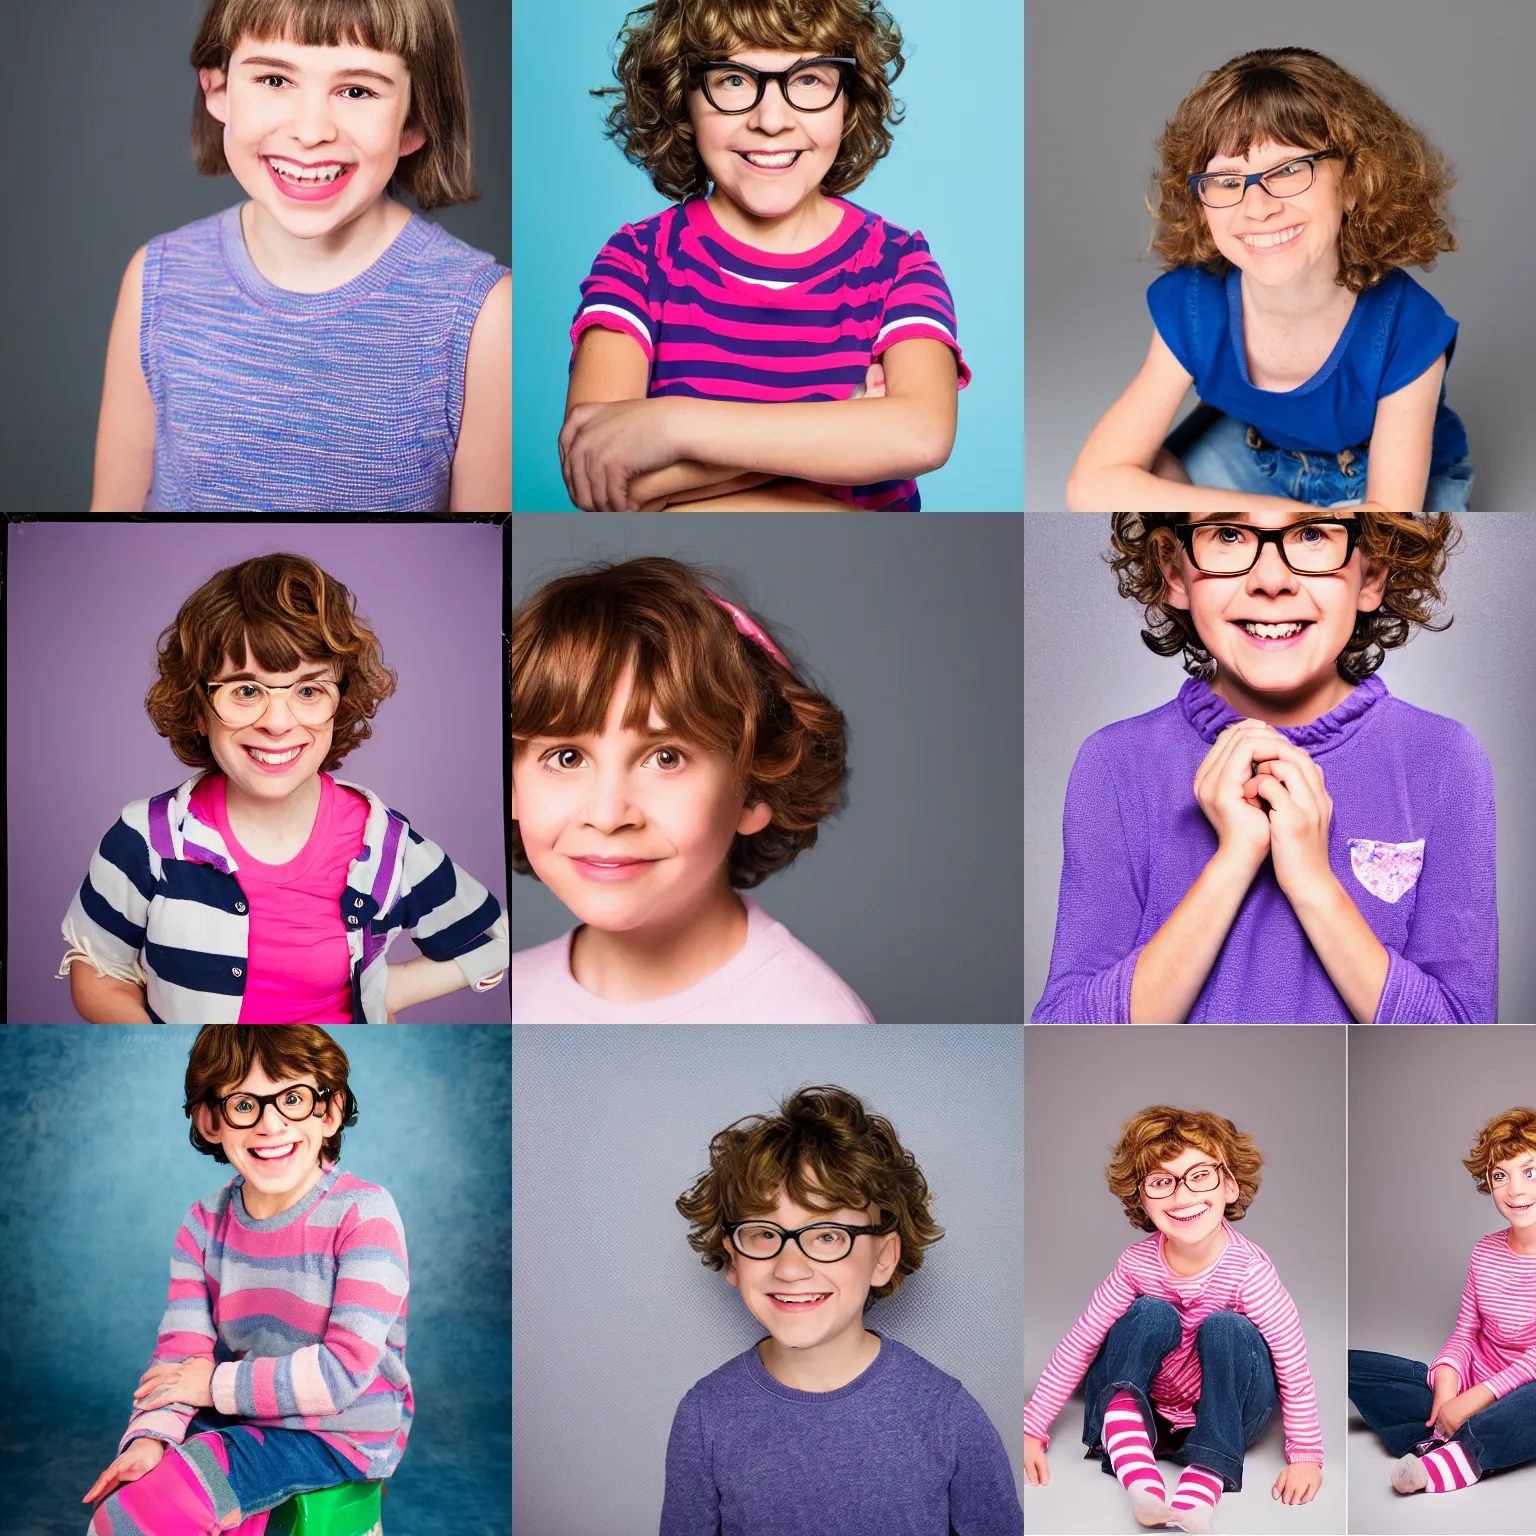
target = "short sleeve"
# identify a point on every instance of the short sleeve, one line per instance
(106, 920)
(919, 303)
(1420, 333)
(615, 294)
(1171, 299)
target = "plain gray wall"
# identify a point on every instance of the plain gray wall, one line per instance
(1085, 666)
(1284, 1086)
(613, 1315)
(912, 626)
(1101, 79)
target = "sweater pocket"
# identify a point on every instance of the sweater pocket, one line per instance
(1387, 870)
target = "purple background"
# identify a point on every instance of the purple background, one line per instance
(86, 603)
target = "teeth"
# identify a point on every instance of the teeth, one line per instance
(1273, 631)
(1279, 237)
(267, 1154)
(274, 757)
(773, 161)
(293, 172)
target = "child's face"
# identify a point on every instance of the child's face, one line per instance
(768, 160)
(1513, 1186)
(1189, 1216)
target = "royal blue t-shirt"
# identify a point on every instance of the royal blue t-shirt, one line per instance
(1395, 331)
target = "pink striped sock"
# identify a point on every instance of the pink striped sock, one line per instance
(1448, 1468)
(1130, 1449)
(1194, 1500)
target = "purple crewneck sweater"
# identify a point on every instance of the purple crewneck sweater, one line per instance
(902, 1450)
(1135, 839)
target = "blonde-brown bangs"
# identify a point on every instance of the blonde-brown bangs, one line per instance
(1262, 107)
(376, 24)
(1511, 1134)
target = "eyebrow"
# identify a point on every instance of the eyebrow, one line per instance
(1237, 170)
(250, 677)
(292, 68)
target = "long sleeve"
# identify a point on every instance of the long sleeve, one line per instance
(691, 1505)
(1457, 1351)
(1268, 1305)
(983, 1497)
(451, 916)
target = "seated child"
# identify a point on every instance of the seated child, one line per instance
(815, 1213)
(280, 1366)
(1473, 1409)
(1191, 1341)
(665, 755)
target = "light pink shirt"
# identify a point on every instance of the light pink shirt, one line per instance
(1494, 1341)
(774, 979)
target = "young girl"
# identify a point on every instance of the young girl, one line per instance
(280, 1366)
(262, 890)
(665, 755)
(1474, 1409)
(1289, 200)
(1334, 858)
(1192, 1340)
(320, 347)
(717, 340)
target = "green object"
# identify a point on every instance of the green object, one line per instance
(352, 1509)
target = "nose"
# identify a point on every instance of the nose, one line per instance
(271, 1121)
(773, 114)
(610, 805)
(312, 122)
(791, 1263)
(1272, 574)
(1266, 205)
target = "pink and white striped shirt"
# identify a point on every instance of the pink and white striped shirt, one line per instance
(1494, 1341)
(1242, 1280)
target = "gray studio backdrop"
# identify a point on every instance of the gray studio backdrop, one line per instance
(1085, 666)
(912, 626)
(614, 1317)
(1092, 117)
(1285, 1087)
(104, 100)
(1417, 1099)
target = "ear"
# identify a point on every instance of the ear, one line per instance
(753, 818)
(730, 1273)
(1178, 588)
(215, 84)
(411, 139)
(889, 1257)
(207, 1125)
(1229, 1191)
(335, 1112)
(1373, 587)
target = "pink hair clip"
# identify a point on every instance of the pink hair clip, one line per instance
(746, 625)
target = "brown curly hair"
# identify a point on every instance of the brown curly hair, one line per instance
(1158, 1134)
(826, 1151)
(1413, 545)
(1511, 1134)
(1397, 181)
(574, 640)
(288, 612)
(665, 42)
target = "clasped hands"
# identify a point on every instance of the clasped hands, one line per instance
(176, 1381)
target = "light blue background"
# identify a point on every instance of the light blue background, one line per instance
(955, 172)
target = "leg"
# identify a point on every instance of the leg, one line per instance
(1452, 491)
(780, 496)
(187, 1494)
(1503, 1434)
(1219, 457)
(1393, 1396)
(1238, 1396)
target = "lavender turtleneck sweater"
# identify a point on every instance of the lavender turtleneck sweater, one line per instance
(1135, 839)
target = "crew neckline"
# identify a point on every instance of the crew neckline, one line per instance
(300, 864)
(1177, 1275)
(702, 217)
(1210, 714)
(875, 1371)
(328, 1175)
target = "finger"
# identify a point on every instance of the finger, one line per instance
(1291, 777)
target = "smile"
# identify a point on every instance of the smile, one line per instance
(275, 1154)
(1193, 1215)
(1272, 637)
(789, 1301)
(770, 160)
(274, 762)
(314, 185)
(612, 871)
(1275, 241)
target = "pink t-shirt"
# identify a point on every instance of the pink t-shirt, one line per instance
(299, 969)
(773, 979)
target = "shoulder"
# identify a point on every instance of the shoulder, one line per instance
(1120, 748)
(446, 253)
(1141, 1255)
(1183, 285)
(1414, 303)
(1454, 745)
(648, 234)
(363, 1201)
(1249, 1255)
(1487, 1249)
(540, 978)
(725, 1384)
(208, 1212)
(917, 1373)
(814, 991)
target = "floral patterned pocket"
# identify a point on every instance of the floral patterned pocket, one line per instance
(1387, 870)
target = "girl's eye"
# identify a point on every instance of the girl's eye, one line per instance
(262, 80)
(1284, 172)
(1497, 1177)
(563, 759)
(669, 759)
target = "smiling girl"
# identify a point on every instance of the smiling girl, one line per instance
(319, 347)
(1289, 200)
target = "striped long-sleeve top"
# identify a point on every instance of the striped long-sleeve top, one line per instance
(303, 1315)
(161, 907)
(1242, 1280)
(721, 320)
(1494, 1341)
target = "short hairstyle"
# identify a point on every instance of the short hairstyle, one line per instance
(1413, 545)
(1158, 1134)
(288, 611)
(665, 42)
(1398, 181)
(573, 641)
(424, 33)
(1511, 1134)
(223, 1053)
(826, 1151)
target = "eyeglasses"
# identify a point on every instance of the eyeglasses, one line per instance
(243, 701)
(1312, 548)
(243, 1110)
(1226, 189)
(1197, 1180)
(830, 1240)
(811, 85)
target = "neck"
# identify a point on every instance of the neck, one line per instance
(1311, 295)
(803, 228)
(824, 1367)
(1522, 1240)
(1308, 702)
(319, 263)
(282, 819)
(262, 1207)
(641, 964)
(1190, 1258)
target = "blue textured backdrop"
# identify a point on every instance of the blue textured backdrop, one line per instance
(96, 1173)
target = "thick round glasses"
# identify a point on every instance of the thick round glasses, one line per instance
(1226, 189)
(825, 1242)
(242, 1110)
(1198, 1180)
(243, 701)
(812, 85)
(1313, 548)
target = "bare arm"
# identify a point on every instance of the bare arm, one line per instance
(1402, 443)
(482, 458)
(420, 980)
(105, 999)
(125, 430)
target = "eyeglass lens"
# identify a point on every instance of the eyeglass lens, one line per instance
(1204, 1176)
(242, 703)
(244, 1109)
(811, 88)
(760, 1241)
(1311, 548)
(1227, 191)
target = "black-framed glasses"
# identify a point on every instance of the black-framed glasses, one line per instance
(829, 1240)
(241, 701)
(1199, 1180)
(1226, 189)
(1315, 547)
(809, 85)
(242, 1110)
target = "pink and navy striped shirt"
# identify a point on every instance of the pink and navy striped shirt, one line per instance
(303, 1314)
(1242, 1280)
(1494, 1341)
(721, 320)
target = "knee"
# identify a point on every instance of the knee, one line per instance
(1154, 1312)
(1226, 1328)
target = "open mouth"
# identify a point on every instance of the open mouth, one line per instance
(806, 1301)
(1273, 637)
(308, 185)
(770, 160)
(275, 1156)
(1188, 1218)
(275, 762)
(1274, 240)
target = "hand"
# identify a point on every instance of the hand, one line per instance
(1242, 828)
(1037, 1471)
(175, 1381)
(873, 387)
(1299, 1483)
(1460, 1408)
(603, 446)
(1447, 1385)
(1300, 811)
(138, 1457)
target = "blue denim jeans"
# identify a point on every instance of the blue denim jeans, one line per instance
(266, 1466)
(1394, 1397)
(1218, 455)
(1238, 1395)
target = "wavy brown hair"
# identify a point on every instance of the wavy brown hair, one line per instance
(1398, 182)
(663, 44)
(1413, 545)
(573, 642)
(1158, 1134)
(826, 1151)
(288, 612)
(1511, 1134)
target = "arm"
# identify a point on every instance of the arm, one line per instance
(105, 930)
(482, 458)
(1455, 1357)
(1269, 1307)
(102, 999)
(125, 429)
(420, 980)
(1402, 441)
(983, 1499)
(1355, 959)
(691, 1503)
(457, 924)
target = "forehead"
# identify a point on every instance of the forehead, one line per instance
(247, 666)
(257, 1081)
(1519, 1160)
(767, 58)
(788, 1214)
(1186, 1159)
(1280, 518)
(318, 59)
(1260, 157)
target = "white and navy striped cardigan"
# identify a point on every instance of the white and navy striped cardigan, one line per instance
(162, 908)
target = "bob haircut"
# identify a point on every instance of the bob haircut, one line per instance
(1511, 1134)
(664, 43)
(825, 1150)
(223, 1053)
(575, 639)
(1158, 1134)
(288, 611)
(1414, 545)
(1396, 180)
(424, 33)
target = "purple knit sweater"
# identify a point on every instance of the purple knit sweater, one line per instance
(1135, 839)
